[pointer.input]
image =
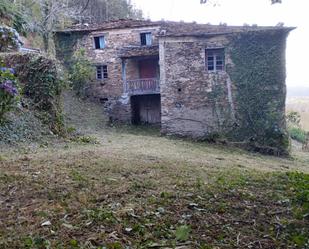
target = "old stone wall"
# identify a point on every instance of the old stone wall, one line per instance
(115, 41)
(195, 103)
(243, 103)
(110, 90)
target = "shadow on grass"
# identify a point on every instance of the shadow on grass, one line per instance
(145, 130)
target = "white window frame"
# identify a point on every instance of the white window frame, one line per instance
(148, 38)
(216, 52)
(101, 45)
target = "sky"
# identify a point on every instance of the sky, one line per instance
(293, 13)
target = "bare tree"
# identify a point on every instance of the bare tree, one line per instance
(272, 1)
(44, 16)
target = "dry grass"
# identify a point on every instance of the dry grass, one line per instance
(136, 189)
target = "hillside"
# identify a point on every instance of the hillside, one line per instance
(126, 187)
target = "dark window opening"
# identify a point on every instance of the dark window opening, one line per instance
(99, 42)
(146, 39)
(215, 59)
(102, 72)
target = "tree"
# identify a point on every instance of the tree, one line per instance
(11, 16)
(45, 16)
(272, 1)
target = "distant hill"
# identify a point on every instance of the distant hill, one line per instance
(298, 91)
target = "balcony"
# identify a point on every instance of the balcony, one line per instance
(142, 86)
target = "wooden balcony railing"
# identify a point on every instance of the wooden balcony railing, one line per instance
(142, 86)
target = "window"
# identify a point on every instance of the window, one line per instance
(215, 59)
(102, 72)
(99, 42)
(146, 39)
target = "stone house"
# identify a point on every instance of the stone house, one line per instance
(195, 80)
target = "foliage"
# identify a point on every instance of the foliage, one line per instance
(9, 39)
(85, 139)
(22, 126)
(103, 10)
(272, 1)
(11, 16)
(8, 91)
(183, 233)
(41, 81)
(45, 16)
(259, 77)
(293, 118)
(81, 72)
(297, 134)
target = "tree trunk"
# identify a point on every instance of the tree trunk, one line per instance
(46, 42)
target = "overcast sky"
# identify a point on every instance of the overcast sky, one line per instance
(237, 12)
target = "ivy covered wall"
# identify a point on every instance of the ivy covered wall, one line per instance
(65, 45)
(258, 75)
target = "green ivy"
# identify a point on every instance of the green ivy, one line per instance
(258, 73)
(65, 44)
(80, 72)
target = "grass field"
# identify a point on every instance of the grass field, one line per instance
(131, 188)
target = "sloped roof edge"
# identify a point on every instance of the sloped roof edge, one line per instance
(171, 28)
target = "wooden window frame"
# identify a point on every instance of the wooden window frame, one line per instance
(101, 72)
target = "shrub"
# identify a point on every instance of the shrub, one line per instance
(9, 39)
(81, 72)
(8, 91)
(297, 134)
(42, 81)
(293, 118)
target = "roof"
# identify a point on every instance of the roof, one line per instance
(169, 28)
(115, 24)
(138, 51)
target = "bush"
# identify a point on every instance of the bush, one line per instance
(293, 118)
(80, 73)
(8, 91)
(9, 39)
(41, 81)
(297, 134)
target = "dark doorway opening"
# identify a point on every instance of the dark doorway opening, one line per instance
(146, 109)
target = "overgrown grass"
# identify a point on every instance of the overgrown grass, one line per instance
(97, 200)
(137, 189)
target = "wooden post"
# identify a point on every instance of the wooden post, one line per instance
(124, 75)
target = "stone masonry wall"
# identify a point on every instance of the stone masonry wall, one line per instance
(111, 90)
(245, 103)
(195, 103)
